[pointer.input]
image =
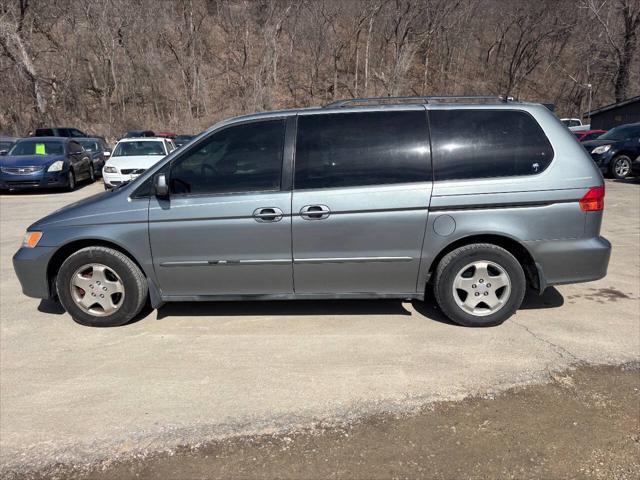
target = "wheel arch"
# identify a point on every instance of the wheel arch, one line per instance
(63, 252)
(513, 246)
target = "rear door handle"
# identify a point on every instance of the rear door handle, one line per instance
(267, 214)
(315, 212)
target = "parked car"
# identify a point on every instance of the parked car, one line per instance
(45, 162)
(99, 151)
(181, 140)
(615, 151)
(59, 132)
(571, 122)
(138, 134)
(166, 135)
(587, 135)
(482, 200)
(6, 143)
(575, 124)
(132, 156)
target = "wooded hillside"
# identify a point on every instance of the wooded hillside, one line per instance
(110, 65)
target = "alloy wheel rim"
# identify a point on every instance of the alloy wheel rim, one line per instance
(481, 288)
(97, 289)
(622, 167)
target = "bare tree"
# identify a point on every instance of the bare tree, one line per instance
(623, 46)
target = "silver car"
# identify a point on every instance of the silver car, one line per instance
(475, 199)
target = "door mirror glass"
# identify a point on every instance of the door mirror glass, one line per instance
(160, 186)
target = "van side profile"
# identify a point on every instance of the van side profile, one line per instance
(475, 198)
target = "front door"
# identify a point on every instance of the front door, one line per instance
(362, 187)
(226, 227)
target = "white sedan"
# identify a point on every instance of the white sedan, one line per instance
(132, 156)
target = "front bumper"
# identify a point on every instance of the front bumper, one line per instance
(112, 180)
(40, 179)
(30, 265)
(635, 167)
(570, 261)
(602, 160)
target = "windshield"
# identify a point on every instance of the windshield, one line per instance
(35, 147)
(89, 145)
(621, 133)
(128, 149)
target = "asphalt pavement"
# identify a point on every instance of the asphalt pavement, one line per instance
(195, 372)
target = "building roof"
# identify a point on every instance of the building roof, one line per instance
(612, 106)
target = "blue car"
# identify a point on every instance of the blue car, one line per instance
(45, 162)
(617, 152)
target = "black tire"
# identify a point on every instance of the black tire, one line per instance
(134, 281)
(71, 181)
(456, 260)
(620, 167)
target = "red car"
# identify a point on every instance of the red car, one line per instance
(166, 135)
(585, 135)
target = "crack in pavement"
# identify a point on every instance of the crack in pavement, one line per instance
(561, 351)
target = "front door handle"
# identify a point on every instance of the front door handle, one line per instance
(267, 214)
(315, 212)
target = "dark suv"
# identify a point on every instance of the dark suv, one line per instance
(617, 152)
(59, 132)
(373, 198)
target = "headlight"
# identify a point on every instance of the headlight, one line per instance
(56, 166)
(601, 149)
(31, 239)
(109, 169)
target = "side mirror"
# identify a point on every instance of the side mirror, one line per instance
(107, 153)
(160, 186)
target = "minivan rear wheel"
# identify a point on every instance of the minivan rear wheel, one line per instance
(101, 287)
(479, 285)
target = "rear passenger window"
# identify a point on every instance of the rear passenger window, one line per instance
(487, 143)
(364, 148)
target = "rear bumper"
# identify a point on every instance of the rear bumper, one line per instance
(30, 265)
(570, 261)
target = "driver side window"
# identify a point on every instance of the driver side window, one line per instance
(242, 158)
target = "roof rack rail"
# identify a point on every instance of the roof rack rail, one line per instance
(418, 100)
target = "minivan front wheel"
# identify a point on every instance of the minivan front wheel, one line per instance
(479, 285)
(101, 287)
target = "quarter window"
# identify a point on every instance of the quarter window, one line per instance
(242, 158)
(364, 148)
(487, 143)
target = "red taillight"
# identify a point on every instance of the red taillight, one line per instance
(593, 201)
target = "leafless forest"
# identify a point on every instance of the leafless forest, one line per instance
(110, 65)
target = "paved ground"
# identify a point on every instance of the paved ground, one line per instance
(195, 372)
(583, 424)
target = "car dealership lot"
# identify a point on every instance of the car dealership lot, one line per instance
(193, 372)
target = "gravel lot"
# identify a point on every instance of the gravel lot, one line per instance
(192, 373)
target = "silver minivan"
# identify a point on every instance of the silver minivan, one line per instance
(473, 198)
